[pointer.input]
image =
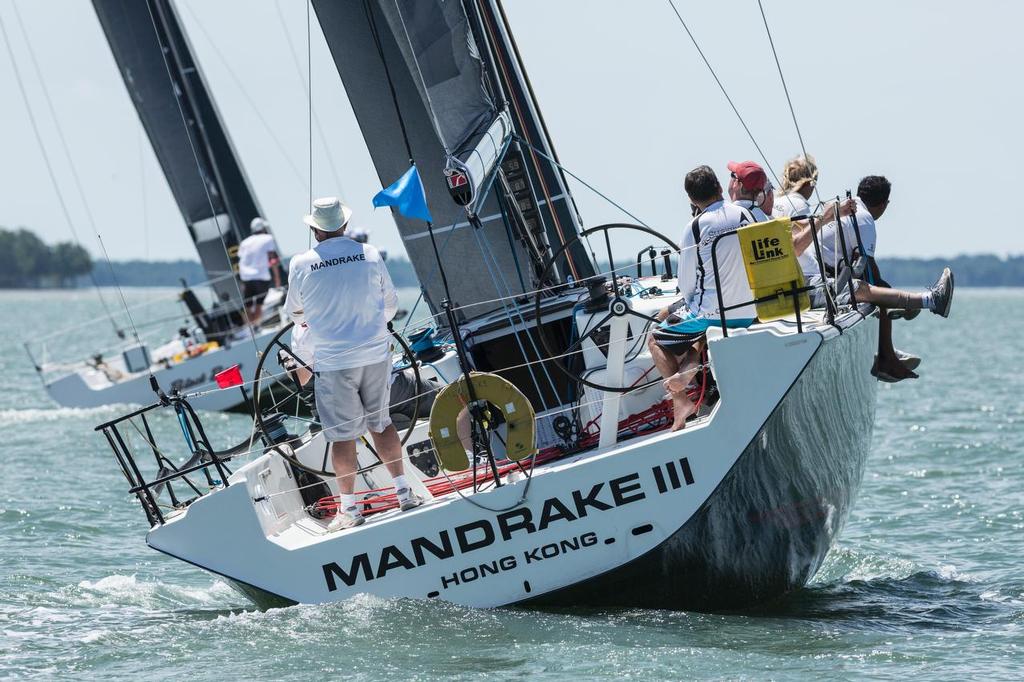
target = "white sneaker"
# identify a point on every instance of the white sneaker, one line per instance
(350, 518)
(407, 499)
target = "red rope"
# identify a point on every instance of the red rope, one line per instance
(654, 418)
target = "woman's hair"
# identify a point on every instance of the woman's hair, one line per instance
(797, 173)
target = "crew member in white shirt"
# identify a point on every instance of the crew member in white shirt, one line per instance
(258, 263)
(676, 344)
(872, 201)
(342, 292)
(799, 178)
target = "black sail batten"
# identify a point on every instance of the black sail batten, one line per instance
(438, 65)
(199, 161)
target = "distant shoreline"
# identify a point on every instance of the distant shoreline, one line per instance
(984, 271)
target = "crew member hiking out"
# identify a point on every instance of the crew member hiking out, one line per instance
(871, 203)
(677, 343)
(342, 292)
(258, 262)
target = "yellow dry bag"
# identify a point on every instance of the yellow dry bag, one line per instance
(772, 268)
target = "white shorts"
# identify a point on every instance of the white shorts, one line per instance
(351, 402)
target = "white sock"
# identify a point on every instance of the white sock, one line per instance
(926, 300)
(348, 503)
(402, 484)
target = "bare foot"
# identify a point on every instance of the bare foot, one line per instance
(682, 408)
(680, 380)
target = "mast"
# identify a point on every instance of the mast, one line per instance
(422, 80)
(200, 163)
(556, 209)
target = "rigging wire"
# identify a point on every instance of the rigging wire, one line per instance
(166, 52)
(580, 180)
(309, 99)
(53, 177)
(245, 93)
(143, 197)
(302, 81)
(508, 74)
(721, 87)
(785, 89)
(46, 156)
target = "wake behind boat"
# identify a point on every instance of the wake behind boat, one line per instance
(571, 487)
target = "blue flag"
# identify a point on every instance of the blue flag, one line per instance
(406, 194)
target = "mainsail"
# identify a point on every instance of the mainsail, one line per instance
(198, 159)
(438, 81)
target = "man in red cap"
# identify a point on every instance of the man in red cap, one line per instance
(748, 187)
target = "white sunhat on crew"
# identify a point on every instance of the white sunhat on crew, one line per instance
(329, 215)
(358, 234)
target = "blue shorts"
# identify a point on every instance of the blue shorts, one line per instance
(681, 329)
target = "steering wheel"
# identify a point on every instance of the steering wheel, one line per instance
(285, 397)
(614, 302)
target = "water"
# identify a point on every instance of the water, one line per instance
(925, 581)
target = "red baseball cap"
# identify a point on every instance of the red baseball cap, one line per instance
(750, 174)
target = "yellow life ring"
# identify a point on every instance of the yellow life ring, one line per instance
(499, 392)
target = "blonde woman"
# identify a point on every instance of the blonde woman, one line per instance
(799, 178)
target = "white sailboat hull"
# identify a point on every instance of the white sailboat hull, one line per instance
(89, 388)
(590, 520)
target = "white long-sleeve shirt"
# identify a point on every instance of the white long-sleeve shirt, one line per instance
(831, 245)
(343, 292)
(788, 206)
(697, 282)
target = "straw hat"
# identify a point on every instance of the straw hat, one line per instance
(329, 215)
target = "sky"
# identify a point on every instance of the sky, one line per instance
(927, 93)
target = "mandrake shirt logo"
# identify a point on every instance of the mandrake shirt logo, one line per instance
(328, 262)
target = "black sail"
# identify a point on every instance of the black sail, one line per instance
(166, 85)
(421, 70)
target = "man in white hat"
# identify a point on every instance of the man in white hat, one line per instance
(258, 262)
(342, 292)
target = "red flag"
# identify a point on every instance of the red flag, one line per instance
(232, 376)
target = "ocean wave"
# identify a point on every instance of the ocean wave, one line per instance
(27, 415)
(844, 565)
(128, 590)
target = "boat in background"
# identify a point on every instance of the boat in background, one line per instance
(217, 204)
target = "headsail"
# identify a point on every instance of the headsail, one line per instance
(166, 85)
(422, 71)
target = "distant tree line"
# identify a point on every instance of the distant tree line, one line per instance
(28, 262)
(141, 273)
(970, 271)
